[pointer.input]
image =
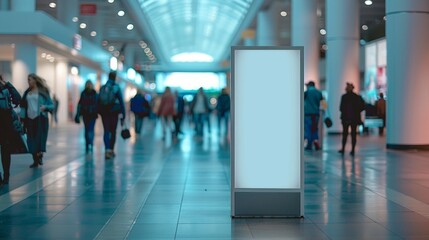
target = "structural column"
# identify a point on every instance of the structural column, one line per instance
(67, 10)
(23, 5)
(23, 64)
(265, 28)
(305, 33)
(407, 36)
(342, 54)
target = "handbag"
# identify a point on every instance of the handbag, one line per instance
(125, 133)
(19, 137)
(328, 122)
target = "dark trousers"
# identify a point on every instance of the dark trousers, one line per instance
(138, 123)
(89, 124)
(110, 123)
(178, 122)
(353, 127)
(5, 161)
(225, 117)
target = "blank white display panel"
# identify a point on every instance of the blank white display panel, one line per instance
(267, 123)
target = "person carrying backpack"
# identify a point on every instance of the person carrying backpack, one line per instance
(110, 105)
(9, 97)
(87, 109)
(140, 107)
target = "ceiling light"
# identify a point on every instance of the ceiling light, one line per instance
(75, 19)
(325, 47)
(283, 13)
(364, 27)
(130, 27)
(52, 5)
(110, 1)
(82, 25)
(121, 13)
(74, 70)
(111, 48)
(43, 55)
(322, 31)
(384, 18)
(368, 2)
(93, 33)
(104, 43)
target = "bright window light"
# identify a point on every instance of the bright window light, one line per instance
(113, 63)
(190, 81)
(192, 57)
(131, 73)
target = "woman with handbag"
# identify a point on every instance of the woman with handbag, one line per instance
(9, 97)
(35, 105)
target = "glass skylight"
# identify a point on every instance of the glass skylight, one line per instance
(194, 30)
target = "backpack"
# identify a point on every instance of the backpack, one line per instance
(107, 95)
(5, 102)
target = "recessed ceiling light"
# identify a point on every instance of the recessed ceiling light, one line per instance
(111, 48)
(130, 27)
(121, 13)
(283, 13)
(75, 19)
(322, 31)
(52, 5)
(104, 43)
(110, 1)
(325, 47)
(364, 27)
(368, 2)
(93, 33)
(82, 25)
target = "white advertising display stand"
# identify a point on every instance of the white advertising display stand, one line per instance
(267, 132)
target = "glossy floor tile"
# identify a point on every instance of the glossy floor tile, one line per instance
(170, 189)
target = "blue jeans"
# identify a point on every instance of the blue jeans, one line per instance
(311, 128)
(110, 123)
(89, 124)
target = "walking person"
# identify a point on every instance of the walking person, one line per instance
(87, 109)
(223, 107)
(167, 111)
(380, 105)
(312, 99)
(178, 117)
(55, 111)
(9, 97)
(200, 110)
(351, 106)
(141, 109)
(110, 105)
(35, 105)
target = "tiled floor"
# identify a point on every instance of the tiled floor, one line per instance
(158, 189)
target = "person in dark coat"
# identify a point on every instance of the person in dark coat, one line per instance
(180, 109)
(6, 127)
(87, 109)
(223, 107)
(36, 103)
(141, 109)
(351, 106)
